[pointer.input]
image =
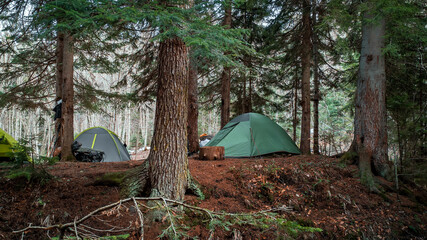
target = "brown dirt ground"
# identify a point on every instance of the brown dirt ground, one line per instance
(321, 191)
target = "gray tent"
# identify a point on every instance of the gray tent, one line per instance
(104, 140)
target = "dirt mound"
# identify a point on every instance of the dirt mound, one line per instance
(321, 192)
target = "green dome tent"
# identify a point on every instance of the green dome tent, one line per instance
(102, 139)
(6, 142)
(253, 134)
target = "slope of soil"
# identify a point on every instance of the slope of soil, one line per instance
(320, 191)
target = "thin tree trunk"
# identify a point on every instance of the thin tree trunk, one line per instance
(20, 127)
(67, 99)
(147, 117)
(226, 74)
(59, 87)
(193, 110)
(370, 115)
(141, 123)
(316, 89)
(248, 100)
(295, 112)
(128, 115)
(250, 95)
(305, 59)
(168, 163)
(15, 122)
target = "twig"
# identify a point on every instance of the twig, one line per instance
(75, 229)
(83, 227)
(170, 216)
(59, 226)
(141, 218)
(23, 234)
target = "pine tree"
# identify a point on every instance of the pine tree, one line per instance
(166, 171)
(306, 62)
(168, 156)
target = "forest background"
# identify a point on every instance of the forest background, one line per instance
(115, 66)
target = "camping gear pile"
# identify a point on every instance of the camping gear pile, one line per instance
(204, 139)
(86, 154)
(253, 134)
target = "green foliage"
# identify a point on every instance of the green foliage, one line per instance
(29, 175)
(26, 170)
(179, 222)
(195, 187)
(20, 153)
(43, 160)
(116, 237)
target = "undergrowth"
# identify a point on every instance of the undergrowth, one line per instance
(179, 223)
(29, 174)
(26, 170)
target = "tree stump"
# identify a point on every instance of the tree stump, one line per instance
(211, 153)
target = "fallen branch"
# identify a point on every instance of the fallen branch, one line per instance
(74, 225)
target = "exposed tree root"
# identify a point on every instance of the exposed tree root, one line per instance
(137, 183)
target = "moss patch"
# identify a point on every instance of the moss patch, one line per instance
(110, 179)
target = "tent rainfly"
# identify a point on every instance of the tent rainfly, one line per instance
(6, 142)
(253, 134)
(102, 139)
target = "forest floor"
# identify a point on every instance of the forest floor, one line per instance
(317, 192)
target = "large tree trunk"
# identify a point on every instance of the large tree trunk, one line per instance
(168, 163)
(305, 59)
(67, 99)
(193, 110)
(370, 115)
(226, 77)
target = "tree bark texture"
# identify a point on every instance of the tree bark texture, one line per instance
(247, 98)
(316, 89)
(67, 99)
(295, 108)
(305, 59)
(59, 60)
(226, 75)
(168, 163)
(193, 110)
(370, 115)
(58, 87)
